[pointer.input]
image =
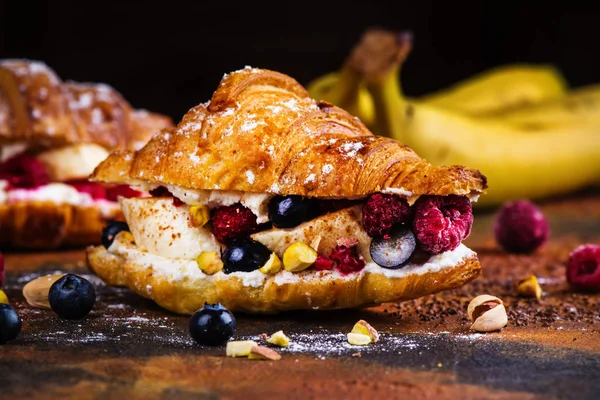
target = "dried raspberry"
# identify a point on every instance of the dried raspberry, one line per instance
(113, 192)
(521, 227)
(95, 190)
(1, 271)
(382, 211)
(346, 259)
(323, 263)
(583, 268)
(441, 222)
(233, 222)
(162, 191)
(23, 171)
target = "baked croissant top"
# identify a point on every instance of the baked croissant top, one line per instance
(261, 132)
(37, 106)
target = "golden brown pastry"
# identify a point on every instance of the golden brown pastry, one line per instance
(52, 135)
(266, 200)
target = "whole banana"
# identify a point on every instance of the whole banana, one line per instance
(518, 163)
(581, 107)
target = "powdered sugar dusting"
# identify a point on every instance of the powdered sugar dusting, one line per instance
(351, 149)
(250, 177)
(310, 178)
(327, 168)
(195, 158)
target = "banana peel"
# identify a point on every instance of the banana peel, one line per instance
(519, 163)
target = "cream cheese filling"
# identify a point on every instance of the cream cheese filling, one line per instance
(58, 193)
(177, 270)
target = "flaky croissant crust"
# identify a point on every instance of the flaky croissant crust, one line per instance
(37, 106)
(261, 132)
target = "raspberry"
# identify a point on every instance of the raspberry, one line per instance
(583, 268)
(233, 222)
(113, 192)
(96, 190)
(520, 227)
(382, 211)
(23, 171)
(1, 271)
(346, 259)
(162, 191)
(323, 263)
(441, 222)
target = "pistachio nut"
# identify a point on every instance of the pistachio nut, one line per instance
(529, 287)
(209, 262)
(272, 266)
(239, 348)
(358, 339)
(263, 353)
(298, 257)
(279, 339)
(487, 313)
(363, 327)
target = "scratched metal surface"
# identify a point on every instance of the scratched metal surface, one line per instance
(130, 348)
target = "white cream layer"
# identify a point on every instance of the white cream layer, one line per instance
(58, 193)
(176, 270)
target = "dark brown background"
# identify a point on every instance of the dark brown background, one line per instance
(169, 56)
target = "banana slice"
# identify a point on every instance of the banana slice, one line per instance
(161, 228)
(72, 162)
(331, 227)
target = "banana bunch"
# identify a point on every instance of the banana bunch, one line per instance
(549, 147)
(494, 92)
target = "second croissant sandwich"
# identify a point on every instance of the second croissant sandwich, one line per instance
(265, 200)
(52, 136)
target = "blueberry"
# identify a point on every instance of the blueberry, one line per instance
(291, 211)
(212, 325)
(394, 251)
(111, 230)
(10, 323)
(244, 255)
(72, 297)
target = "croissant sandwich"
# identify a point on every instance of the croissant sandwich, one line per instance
(52, 136)
(266, 200)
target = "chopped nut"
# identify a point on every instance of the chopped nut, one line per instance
(316, 242)
(364, 328)
(272, 266)
(279, 338)
(36, 291)
(358, 339)
(358, 354)
(264, 353)
(199, 215)
(529, 287)
(3, 297)
(487, 313)
(298, 257)
(240, 348)
(346, 241)
(209, 262)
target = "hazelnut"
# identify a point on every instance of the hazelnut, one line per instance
(298, 257)
(529, 287)
(272, 266)
(364, 328)
(279, 339)
(240, 348)
(209, 262)
(487, 313)
(358, 339)
(199, 215)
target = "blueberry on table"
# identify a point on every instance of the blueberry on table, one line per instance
(72, 297)
(212, 325)
(395, 251)
(111, 230)
(10, 323)
(291, 211)
(244, 255)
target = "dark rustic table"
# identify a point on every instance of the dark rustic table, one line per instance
(129, 348)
